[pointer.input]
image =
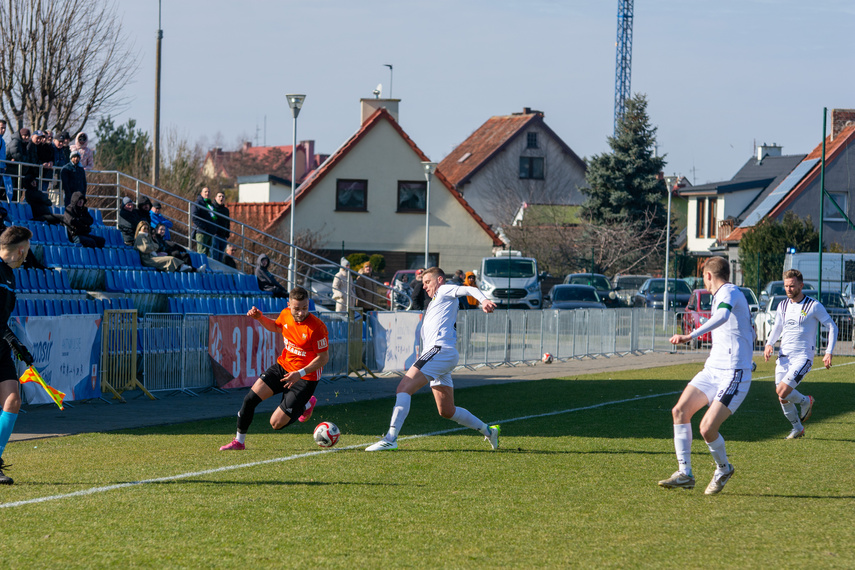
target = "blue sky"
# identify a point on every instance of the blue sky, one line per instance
(720, 76)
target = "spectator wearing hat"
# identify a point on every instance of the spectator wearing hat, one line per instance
(39, 202)
(204, 221)
(129, 219)
(78, 222)
(157, 219)
(73, 178)
(87, 156)
(144, 210)
(61, 152)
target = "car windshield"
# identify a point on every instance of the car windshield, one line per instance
(749, 295)
(324, 274)
(508, 267)
(706, 301)
(677, 286)
(631, 282)
(574, 294)
(776, 288)
(775, 301)
(596, 281)
(833, 300)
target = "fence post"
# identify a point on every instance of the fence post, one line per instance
(119, 353)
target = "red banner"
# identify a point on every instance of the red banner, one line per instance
(241, 349)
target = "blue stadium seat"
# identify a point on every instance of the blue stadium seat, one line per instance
(97, 216)
(50, 282)
(66, 307)
(22, 279)
(41, 282)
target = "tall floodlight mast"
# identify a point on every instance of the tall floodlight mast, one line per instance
(623, 58)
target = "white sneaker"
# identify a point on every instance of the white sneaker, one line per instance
(678, 481)
(383, 445)
(806, 410)
(718, 481)
(796, 433)
(493, 438)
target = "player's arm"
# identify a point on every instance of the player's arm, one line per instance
(775, 333)
(823, 317)
(466, 291)
(265, 322)
(316, 364)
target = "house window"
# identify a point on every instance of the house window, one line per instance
(531, 167)
(351, 195)
(831, 213)
(531, 140)
(701, 218)
(712, 222)
(412, 196)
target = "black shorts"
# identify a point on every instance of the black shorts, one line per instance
(295, 398)
(7, 363)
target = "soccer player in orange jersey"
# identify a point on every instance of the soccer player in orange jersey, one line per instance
(296, 372)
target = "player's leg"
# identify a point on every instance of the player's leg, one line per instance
(788, 375)
(443, 394)
(268, 384)
(690, 402)
(412, 382)
(733, 387)
(10, 396)
(294, 402)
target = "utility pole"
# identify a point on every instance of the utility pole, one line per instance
(155, 159)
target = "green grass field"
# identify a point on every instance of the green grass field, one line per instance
(576, 488)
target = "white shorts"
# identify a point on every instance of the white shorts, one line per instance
(728, 386)
(436, 364)
(791, 371)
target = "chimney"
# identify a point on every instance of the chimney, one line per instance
(245, 146)
(840, 119)
(368, 107)
(765, 150)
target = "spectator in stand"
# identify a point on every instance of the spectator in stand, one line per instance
(129, 218)
(420, 298)
(149, 255)
(39, 202)
(223, 225)
(229, 257)
(169, 248)
(44, 154)
(469, 302)
(61, 152)
(204, 225)
(22, 151)
(144, 210)
(78, 222)
(459, 278)
(158, 219)
(7, 180)
(266, 281)
(73, 178)
(87, 156)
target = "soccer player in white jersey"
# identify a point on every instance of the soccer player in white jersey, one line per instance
(438, 358)
(722, 384)
(796, 321)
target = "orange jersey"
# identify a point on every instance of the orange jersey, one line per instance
(303, 342)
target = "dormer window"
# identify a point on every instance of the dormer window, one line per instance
(531, 140)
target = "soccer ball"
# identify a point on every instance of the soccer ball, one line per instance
(547, 358)
(326, 434)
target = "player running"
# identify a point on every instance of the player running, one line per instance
(796, 321)
(296, 372)
(722, 384)
(439, 357)
(14, 245)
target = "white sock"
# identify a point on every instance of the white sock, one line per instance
(465, 418)
(241, 437)
(719, 454)
(399, 414)
(791, 414)
(683, 446)
(797, 397)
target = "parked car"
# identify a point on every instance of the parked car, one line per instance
(404, 303)
(839, 313)
(698, 311)
(599, 282)
(694, 282)
(848, 293)
(765, 318)
(626, 286)
(753, 304)
(653, 290)
(573, 297)
(319, 283)
(511, 280)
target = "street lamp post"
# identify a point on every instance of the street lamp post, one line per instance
(667, 254)
(296, 103)
(155, 159)
(429, 168)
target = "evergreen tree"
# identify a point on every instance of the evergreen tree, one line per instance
(762, 249)
(126, 149)
(626, 184)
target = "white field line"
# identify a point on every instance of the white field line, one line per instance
(180, 476)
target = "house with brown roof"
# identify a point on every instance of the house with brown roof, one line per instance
(262, 160)
(511, 160)
(371, 196)
(800, 192)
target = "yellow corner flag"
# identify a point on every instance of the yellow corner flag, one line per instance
(32, 375)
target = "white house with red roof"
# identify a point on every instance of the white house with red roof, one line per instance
(370, 196)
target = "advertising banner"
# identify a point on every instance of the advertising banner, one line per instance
(241, 349)
(396, 339)
(67, 353)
